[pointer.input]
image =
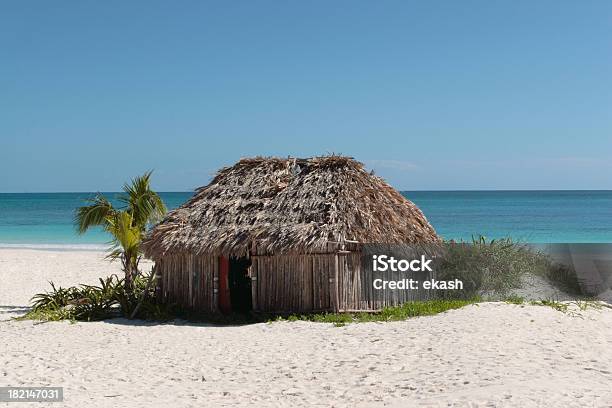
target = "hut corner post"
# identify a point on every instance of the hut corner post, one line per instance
(215, 296)
(335, 288)
(253, 274)
(223, 291)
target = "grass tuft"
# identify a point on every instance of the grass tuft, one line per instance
(560, 306)
(515, 300)
(588, 303)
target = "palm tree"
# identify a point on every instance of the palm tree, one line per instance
(126, 225)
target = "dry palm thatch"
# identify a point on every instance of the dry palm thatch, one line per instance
(287, 206)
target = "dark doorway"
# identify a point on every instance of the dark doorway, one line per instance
(240, 285)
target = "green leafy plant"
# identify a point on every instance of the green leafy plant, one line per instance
(96, 302)
(57, 298)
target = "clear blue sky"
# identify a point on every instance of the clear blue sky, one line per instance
(431, 94)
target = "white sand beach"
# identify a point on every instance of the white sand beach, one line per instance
(491, 354)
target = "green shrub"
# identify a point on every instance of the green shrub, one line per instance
(90, 302)
(53, 300)
(563, 277)
(488, 267)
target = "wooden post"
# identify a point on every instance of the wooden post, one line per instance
(213, 264)
(224, 291)
(253, 274)
(158, 270)
(336, 292)
(190, 271)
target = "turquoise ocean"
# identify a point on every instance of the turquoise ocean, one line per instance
(44, 220)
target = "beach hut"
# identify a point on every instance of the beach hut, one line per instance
(282, 235)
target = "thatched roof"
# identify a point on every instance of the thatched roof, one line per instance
(289, 205)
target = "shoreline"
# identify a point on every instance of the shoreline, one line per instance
(55, 247)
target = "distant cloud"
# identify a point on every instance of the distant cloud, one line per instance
(392, 165)
(536, 162)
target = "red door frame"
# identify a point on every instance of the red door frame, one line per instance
(225, 302)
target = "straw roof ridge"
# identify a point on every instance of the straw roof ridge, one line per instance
(286, 205)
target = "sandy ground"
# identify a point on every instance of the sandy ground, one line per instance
(491, 354)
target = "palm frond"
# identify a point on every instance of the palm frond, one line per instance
(145, 205)
(148, 208)
(138, 186)
(97, 213)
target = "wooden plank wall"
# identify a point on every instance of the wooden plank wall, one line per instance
(292, 283)
(189, 281)
(357, 291)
